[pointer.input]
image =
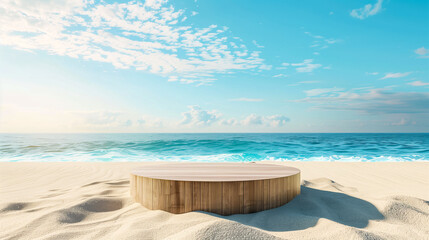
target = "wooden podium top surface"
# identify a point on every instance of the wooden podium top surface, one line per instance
(214, 172)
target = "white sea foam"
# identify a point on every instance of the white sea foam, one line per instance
(215, 147)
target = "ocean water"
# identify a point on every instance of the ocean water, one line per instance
(214, 147)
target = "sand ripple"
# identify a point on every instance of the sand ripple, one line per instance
(100, 208)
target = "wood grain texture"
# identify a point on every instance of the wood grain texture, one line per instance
(205, 196)
(165, 196)
(147, 192)
(220, 197)
(196, 196)
(188, 196)
(249, 194)
(215, 197)
(232, 197)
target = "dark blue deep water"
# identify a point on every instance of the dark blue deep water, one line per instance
(214, 147)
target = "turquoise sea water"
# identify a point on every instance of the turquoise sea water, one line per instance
(214, 147)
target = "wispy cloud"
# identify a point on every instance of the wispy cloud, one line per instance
(418, 83)
(149, 36)
(403, 122)
(280, 75)
(367, 10)
(422, 52)
(395, 75)
(371, 73)
(306, 66)
(321, 42)
(247, 100)
(257, 45)
(321, 91)
(308, 82)
(371, 101)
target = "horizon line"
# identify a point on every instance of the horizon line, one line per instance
(214, 132)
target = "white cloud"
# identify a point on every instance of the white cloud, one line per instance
(195, 119)
(306, 61)
(418, 83)
(257, 45)
(320, 91)
(269, 121)
(252, 119)
(372, 101)
(395, 75)
(423, 52)
(367, 10)
(100, 119)
(321, 42)
(145, 36)
(173, 78)
(150, 122)
(265, 67)
(229, 122)
(196, 116)
(277, 120)
(371, 73)
(314, 36)
(308, 82)
(306, 66)
(155, 4)
(281, 75)
(403, 122)
(248, 100)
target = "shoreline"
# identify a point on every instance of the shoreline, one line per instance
(87, 200)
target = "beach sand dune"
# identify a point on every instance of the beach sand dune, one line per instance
(337, 201)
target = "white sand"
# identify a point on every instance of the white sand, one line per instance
(91, 201)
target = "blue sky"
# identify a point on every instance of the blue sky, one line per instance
(214, 66)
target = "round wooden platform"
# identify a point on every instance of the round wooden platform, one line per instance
(222, 188)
